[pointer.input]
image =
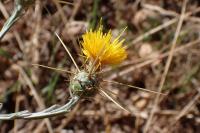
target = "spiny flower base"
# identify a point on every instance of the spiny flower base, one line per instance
(84, 84)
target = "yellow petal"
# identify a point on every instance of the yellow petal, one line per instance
(93, 43)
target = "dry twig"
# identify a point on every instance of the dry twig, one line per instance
(163, 78)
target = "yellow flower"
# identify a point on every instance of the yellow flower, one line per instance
(99, 46)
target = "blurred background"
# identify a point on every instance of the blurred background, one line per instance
(163, 44)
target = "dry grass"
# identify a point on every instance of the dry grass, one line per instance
(162, 41)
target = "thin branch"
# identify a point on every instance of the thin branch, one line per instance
(151, 60)
(20, 6)
(68, 52)
(38, 99)
(181, 113)
(135, 87)
(52, 68)
(163, 78)
(49, 112)
(65, 2)
(113, 99)
(160, 27)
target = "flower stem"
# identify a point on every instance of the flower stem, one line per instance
(49, 112)
(20, 6)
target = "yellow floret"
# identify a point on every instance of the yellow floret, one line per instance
(99, 46)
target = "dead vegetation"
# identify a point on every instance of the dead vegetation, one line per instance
(163, 44)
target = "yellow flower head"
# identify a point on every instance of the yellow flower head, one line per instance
(99, 46)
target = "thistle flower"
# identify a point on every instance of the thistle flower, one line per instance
(99, 46)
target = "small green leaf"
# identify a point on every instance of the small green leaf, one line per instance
(4, 53)
(49, 89)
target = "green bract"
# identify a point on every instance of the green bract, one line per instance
(84, 84)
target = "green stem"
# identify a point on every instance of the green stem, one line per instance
(94, 14)
(20, 6)
(49, 112)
